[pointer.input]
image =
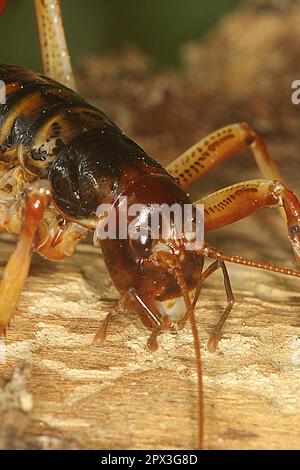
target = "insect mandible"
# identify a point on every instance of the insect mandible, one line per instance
(61, 158)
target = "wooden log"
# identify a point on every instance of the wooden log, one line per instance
(120, 396)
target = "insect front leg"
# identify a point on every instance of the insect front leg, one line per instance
(145, 311)
(121, 306)
(38, 198)
(132, 299)
(54, 51)
(218, 146)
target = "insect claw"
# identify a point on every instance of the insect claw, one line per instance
(296, 257)
(99, 338)
(57, 239)
(296, 249)
(3, 330)
(212, 344)
(152, 343)
(102, 333)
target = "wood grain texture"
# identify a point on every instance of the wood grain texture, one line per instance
(120, 396)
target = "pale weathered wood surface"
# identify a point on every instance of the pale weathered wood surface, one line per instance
(71, 394)
(121, 396)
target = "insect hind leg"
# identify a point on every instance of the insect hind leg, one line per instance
(54, 51)
(238, 201)
(222, 144)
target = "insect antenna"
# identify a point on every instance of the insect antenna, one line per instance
(190, 314)
(212, 252)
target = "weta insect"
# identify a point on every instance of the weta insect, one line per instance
(60, 158)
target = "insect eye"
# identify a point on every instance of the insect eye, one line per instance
(142, 246)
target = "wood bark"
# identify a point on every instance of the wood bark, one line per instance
(120, 396)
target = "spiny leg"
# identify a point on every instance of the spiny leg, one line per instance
(218, 146)
(216, 333)
(54, 51)
(16, 270)
(240, 200)
(234, 203)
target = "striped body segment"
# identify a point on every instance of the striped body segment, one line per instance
(54, 133)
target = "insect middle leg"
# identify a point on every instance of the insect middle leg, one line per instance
(216, 333)
(218, 146)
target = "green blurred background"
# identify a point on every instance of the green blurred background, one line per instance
(158, 27)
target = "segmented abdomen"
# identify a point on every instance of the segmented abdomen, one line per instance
(40, 117)
(55, 133)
